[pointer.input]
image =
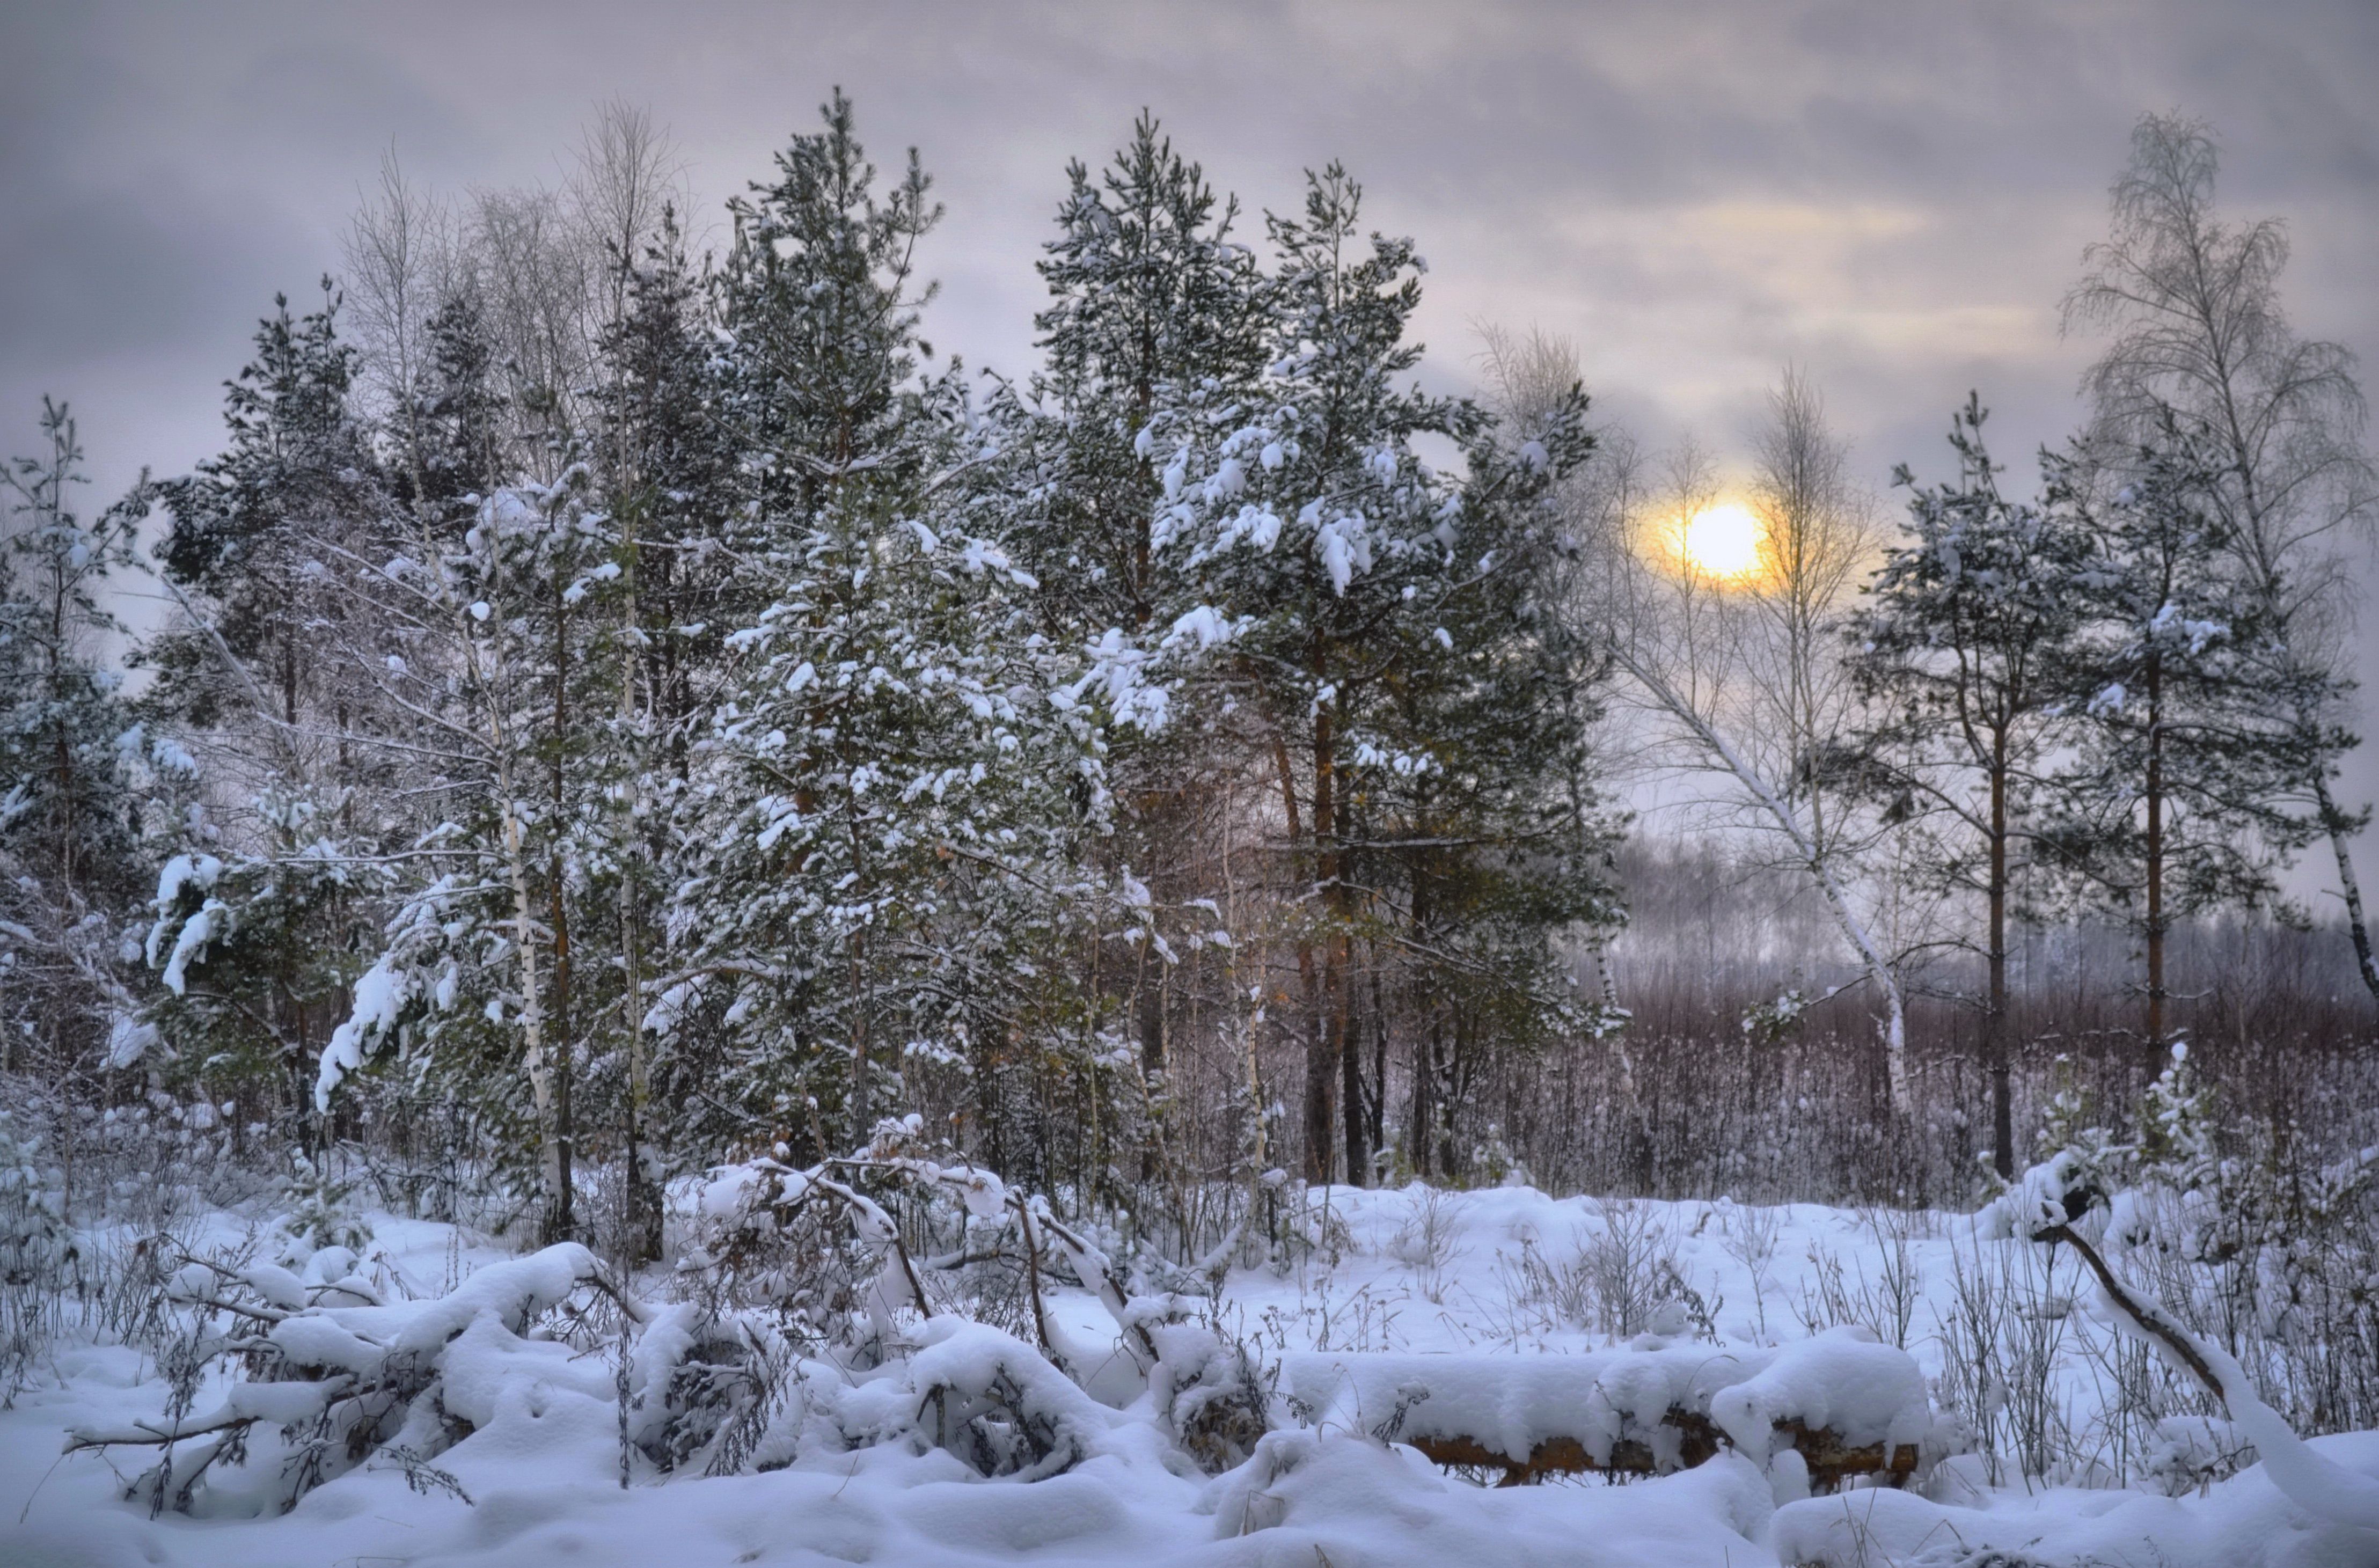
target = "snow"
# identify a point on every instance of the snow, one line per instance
(1405, 1304)
(192, 944)
(1843, 1380)
(1512, 1404)
(2243, 1522)
(129, 1039)
(1204, 624)
(2315, 1482)
(380, 995)
(197, 870)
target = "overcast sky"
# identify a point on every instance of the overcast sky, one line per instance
(1891, 195)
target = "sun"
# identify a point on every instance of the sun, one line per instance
(1722, 542)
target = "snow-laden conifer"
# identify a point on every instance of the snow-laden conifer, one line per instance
(1964, 648)
(879, 835)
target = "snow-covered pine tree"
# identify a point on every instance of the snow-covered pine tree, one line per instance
(1373, 625)
(478, 981)
(452, 436)
(74, 816)
(1152, 302)
(666, 466)
(878, 838)
(257, 946)
(252, 541)
(1964, 651)
(276, 674)
(2181, 798)
(1490, 867)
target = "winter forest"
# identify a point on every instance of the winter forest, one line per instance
(652, 921)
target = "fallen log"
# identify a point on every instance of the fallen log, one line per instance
(1847, 1405)
(1830, 1461)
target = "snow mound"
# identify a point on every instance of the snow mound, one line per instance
(2244, 1522)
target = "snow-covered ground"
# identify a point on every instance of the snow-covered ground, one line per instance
(1508, 1274)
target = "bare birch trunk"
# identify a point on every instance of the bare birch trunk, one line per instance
(1854, 930)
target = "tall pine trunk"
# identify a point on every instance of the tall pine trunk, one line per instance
(2155, 862)
(1320, 1118)
(561, 1223)
(1995, 1020)
(1350, 1063)
(561, 1218)
(643, 1229)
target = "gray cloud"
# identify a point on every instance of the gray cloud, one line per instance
(1893, 196)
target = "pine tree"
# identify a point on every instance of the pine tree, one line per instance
(667, 458)
(879, 830)
(820, 301)
(249, 530)
(480, 982)
(1487, 864)
(454, 434)
(2180, 799)
(256, 947)
(1320, 572)
(668, 478)
(277, 675)
(1152, 302)
(1964, 652)
(84, 789)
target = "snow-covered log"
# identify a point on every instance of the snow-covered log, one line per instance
(1845, 1403)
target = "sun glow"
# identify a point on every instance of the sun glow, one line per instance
(1722, 542)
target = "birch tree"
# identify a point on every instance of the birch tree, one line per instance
(1722, 659)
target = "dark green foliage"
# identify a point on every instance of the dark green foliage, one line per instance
(250, 529)
(83, 786)
(2186, 794)
(1391, 641)
(1152, 302)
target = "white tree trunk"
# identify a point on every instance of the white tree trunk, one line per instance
(1812, 857)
